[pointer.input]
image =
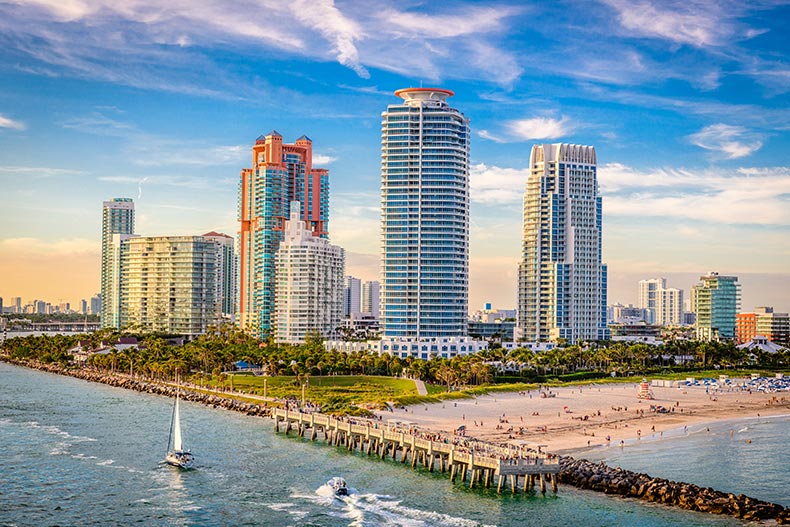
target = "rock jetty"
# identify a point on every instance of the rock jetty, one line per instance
(615, 480)
(147, 386)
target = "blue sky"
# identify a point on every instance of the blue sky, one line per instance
(686, 104)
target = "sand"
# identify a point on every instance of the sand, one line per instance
(586, 416)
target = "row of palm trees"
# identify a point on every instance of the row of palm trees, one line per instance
(218, 350)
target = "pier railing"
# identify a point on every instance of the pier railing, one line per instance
(460, 456)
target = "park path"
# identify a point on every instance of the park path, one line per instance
(421, 389)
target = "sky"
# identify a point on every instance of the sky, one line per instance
(686, 103)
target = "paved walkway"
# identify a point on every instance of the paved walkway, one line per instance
(421, 389)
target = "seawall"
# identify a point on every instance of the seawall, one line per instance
(615, 480)
(146, 386)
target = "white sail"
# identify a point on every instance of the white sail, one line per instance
(177, 429)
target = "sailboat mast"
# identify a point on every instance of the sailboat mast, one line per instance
(177, 427)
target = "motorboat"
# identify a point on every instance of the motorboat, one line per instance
(338, 486)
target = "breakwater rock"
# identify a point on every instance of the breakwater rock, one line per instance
(148, 386)
(615, 480)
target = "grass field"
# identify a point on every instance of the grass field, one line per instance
(333, 392)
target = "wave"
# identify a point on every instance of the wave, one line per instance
(363, 510)
(54, 430)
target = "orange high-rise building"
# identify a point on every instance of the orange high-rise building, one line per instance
(280, 173)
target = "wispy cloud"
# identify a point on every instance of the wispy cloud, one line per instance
(151, 150)
(32, 172)
(190, 182)
(7, 122)
(750, 196)
(696, 23)
(731, 141)
(155, 46)
(496, 185)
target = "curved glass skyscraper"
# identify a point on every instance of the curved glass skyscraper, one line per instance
(424, 216)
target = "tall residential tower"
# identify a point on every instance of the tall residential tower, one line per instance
(309, 283)
(424, 217)
(117, 222)
(562, 282)
(280, 174)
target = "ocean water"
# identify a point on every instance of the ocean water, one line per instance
(749, 456)
(75, 453)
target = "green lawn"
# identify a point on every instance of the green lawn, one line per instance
(333, 392)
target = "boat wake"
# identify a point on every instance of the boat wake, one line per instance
(369, 510)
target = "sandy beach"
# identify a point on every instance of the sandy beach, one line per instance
(573, 418)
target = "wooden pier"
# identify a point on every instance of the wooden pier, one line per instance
(479, 463)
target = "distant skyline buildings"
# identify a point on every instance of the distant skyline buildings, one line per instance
(281, 173)
(663, 306)
(424, 216)
(562, 283)
(361, 297)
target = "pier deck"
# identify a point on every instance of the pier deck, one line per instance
(478, 462)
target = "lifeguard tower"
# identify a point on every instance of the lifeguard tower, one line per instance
(644, 390)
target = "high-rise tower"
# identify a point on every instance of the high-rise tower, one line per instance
(424, 216)
(309, 284)
(562, 283)
(716, 301)
(280, 173)
(117, 219)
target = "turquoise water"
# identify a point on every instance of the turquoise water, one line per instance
(76, 453)
(749, 456)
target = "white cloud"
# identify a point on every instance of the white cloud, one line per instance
(496, 185)
(323, 17)
(533, 128)
(7, 122)
(140, 43)
(485, 134)
(322, 159)
(696, 23)
(540, 128)
(750, 196)
(731, 141)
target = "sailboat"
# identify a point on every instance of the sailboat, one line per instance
(177, 456)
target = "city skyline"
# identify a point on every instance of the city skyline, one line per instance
(685, 102)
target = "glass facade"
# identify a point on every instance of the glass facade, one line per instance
(562, 282)
(716, 302)
(280, 174)
(424, 216)
(117, 219)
